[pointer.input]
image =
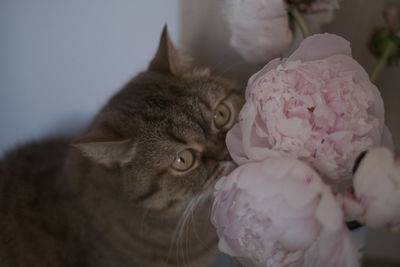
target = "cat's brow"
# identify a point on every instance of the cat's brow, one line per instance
(233, 92)
(175, 137)
(205, 103)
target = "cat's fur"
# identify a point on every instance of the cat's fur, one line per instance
(112, 198)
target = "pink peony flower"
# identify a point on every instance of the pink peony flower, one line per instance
(279, 213)
(376, 197)
(317, 105)
(260, 29)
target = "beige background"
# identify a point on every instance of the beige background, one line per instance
(205, 36)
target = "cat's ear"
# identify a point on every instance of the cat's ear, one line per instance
(168, 60)
(105, 147)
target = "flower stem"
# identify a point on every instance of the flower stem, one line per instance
(294, 11)
(382, 61)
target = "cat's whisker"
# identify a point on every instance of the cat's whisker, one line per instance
(179, 233)
(185, 224)
(145, 213)
(198, 201)
(204, 197)
(186, 234)
(190, 222)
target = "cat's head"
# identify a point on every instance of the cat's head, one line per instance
(165, 130)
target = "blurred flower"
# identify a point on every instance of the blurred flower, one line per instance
(317, 105)
(279, 213)
(376, 197)
(385, 41)
(392, 19)
(260, 29)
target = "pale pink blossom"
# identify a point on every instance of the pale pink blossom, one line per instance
(259, 28)
(376, 197)
(318, 105)
(277, 213)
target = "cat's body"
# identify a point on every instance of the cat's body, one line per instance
(43, 223)
(135, 190)
(32, 220)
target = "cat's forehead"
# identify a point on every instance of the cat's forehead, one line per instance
(179, 99)
(182, 123)
(167, 107)
(183, 112)
(211, 88)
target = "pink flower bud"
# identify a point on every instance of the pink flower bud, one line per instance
(376, 197)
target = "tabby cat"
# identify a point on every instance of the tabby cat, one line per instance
(136, 189)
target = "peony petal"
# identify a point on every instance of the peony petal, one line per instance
(320, 46)
(328, 213)
(301, 236)
(387, 138)
(292, 127)
(332, 250)
(235, 146)
(353, 208)
(302, 185)
(377, 185)
(255, 77)
(222, 246)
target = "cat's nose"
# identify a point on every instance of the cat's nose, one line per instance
(216, 148)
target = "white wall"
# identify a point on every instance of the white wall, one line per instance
(61, 60)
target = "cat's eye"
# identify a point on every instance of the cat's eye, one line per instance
(222, 115)
(184, 160)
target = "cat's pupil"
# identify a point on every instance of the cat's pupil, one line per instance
(222, 116)
(184, 160)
